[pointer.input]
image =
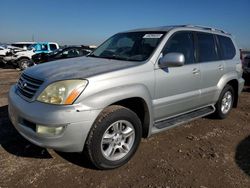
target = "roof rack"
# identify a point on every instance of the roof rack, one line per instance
(206, 28)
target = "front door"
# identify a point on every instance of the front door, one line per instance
(177, 88)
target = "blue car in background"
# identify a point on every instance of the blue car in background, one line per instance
(43, 47)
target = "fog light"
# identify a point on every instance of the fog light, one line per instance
(52, 131)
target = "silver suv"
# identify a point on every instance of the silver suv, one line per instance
(135, 84)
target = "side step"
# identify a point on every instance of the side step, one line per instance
(185, 117)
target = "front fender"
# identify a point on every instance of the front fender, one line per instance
(110, 96)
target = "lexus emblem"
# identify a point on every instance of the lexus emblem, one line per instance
(24, 84)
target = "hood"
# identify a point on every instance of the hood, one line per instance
(81, 67)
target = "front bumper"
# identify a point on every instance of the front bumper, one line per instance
(78, 122)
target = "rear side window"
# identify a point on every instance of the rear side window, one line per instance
(52, 47)
(206, 47)
(227, 47)
(181, 42)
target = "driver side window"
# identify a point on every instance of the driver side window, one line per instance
(181, 42)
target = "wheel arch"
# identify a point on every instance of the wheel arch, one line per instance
(232, 80)
(141, 110)
(22, 57)
(134, 97)
(235, 85)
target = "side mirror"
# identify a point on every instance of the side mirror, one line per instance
(172, 60)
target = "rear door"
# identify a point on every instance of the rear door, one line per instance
(211, 66)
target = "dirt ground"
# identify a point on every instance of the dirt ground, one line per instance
(203, 153)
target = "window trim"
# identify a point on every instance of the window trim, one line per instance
(219, 48)
(196, 47)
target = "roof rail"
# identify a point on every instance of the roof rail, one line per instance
(207, 28)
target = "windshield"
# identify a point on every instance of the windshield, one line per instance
(133, 46)
(31, 47)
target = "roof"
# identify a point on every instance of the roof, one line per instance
(168, 28)
(23, 43)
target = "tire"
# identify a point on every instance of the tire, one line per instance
(23, 63)
(219, 112)
(99, 147)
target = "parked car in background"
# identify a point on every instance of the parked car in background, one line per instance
(44, 47)
(23, 45)
(64, 53)
(135, 84)
(7, 52)
(2, 53)
(3, 50)
(246, 65)
(21, 58)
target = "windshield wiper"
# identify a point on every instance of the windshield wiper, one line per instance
(115, 57)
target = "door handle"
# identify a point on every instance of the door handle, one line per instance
(196, 71)
(220, 67)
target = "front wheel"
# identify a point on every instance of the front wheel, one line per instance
(225, 102)
(114, 138)
(23, 64)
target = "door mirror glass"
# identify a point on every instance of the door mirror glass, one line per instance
(172, 60)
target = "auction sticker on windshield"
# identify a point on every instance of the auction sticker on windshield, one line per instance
(152, 36)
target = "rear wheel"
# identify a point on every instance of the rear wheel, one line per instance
(225, 102)
(114, 138)
(23, 63)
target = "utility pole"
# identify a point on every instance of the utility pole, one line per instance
(33, 38)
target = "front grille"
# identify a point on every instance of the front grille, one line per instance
(27, 86)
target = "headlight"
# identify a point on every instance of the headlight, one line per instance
(63, 92)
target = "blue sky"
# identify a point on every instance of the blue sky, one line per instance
(92, 21)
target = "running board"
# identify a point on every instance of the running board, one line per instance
(184, 118)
